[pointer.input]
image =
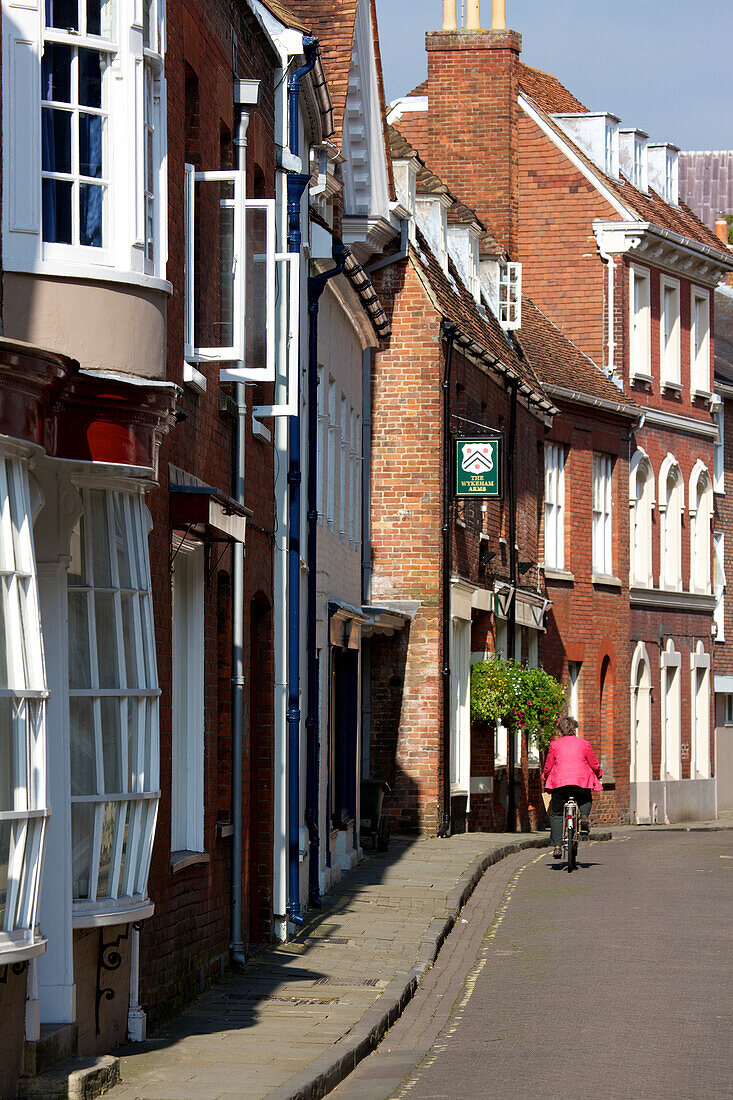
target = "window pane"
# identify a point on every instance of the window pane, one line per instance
(79, 673)
(106, 849)
(109, 673)
(134, 746)
(62, 14)
(56, 138)
(92, 64)
(6, 636)
(83, 747)
(77, 566)
(82, 831)
(91, 197)
(121, 540)
(90, 145)
(7, 756)
(4, 860)
(56, 73)
(100, 539)
(130, 636)
(111, 745)
(256, 288)
(57, 211)
(124, 809)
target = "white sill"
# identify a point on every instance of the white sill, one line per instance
(557, 574)
(102, 914)
(23, 951)
(609, 581)
(193, 378)
(702, 395)
(181, 860)
(673, 387)
(643, 379)
(93, 273)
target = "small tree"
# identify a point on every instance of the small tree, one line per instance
(523, 698)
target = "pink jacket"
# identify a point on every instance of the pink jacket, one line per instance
(571, 762)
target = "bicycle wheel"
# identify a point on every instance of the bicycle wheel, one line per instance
(572, 848)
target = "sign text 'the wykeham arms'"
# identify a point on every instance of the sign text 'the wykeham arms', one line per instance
(477, 467)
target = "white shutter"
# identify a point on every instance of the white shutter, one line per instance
(286, 335)
(21, 62)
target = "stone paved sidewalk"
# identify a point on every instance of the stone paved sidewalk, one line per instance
(302, 1015)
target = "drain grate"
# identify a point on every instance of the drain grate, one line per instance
(372, 983)
(313, 940)
(255, 997)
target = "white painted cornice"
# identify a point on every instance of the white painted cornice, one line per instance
(674, 600)
(678, 423)
(664, 249)
(405, 105)
(367, 234)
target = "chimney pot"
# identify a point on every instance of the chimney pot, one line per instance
(473, 15)
(721, 229)
(498, 15)
(449, 15)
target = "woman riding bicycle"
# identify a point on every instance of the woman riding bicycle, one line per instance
(571, 768)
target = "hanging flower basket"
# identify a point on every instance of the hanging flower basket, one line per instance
(524, 698)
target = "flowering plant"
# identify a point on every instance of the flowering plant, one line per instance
(529, 699)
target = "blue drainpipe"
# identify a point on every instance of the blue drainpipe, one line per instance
(297, 184)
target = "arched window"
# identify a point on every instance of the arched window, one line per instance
(671, 762)
(641, 504)
(701, 511)
(641, 734)
(606, 712)
(671, 505)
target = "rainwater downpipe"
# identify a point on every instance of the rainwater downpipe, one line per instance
(297, 184)
(511, 824)
(316, 286)
(608, 260)
(448, 332)
(236, 945)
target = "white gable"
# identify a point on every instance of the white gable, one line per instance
(366, 191)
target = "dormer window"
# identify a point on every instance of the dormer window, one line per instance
(431, 210)
(664, 171)
(633, 157)
(597, 134)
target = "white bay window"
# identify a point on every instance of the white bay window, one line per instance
(84, 177)
(113, 706)
(23, 694)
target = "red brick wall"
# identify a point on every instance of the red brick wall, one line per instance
(472, 123)
(186, 941)
(724, 522)
(562, 273)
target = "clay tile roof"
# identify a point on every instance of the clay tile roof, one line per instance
(457, 305)
(428, 183)
(558, 362)
(399, 147)
(546, 89)
(285, 15)
(422, 89)
(458, 214)
(332, 22)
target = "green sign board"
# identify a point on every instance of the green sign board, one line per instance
(477, 467)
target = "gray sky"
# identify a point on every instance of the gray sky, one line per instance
(661, 65)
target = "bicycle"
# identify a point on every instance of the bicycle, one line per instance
(571, 832)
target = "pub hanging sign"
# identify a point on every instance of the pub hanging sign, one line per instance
(478, 470)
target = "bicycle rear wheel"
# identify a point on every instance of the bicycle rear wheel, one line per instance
(572, 848)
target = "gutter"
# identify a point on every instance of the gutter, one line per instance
(562, 393)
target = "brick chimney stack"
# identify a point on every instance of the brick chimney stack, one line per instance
(473, 85)
(721, 228)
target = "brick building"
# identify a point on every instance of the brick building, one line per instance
(626, 272)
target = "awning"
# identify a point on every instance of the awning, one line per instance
(388, 616)
(205, 513)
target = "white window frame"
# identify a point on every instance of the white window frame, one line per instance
(134, 801)
(23, 689)
(729, 710)
(322, 449)
(641, 507)
(700, 367)
(460, 664)
(699, 713)
(670, 341)
(188, 718)
(510, 296)
(331, 462)
(670, 525)
(234, 353)
(602, 505)
(123, 255)
(352, 478)
(701, 515)
(719, 449)
(343, 467)
(671, 699)
(719, 583)
(640, 328)
(554, 509)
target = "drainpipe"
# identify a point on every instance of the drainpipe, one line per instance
(448, 332)
(236, 944)
(297, 184)
(316, 286)
(511, 824)
(608, 259)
